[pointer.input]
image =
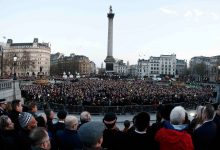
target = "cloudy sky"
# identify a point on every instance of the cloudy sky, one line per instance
(142, 28)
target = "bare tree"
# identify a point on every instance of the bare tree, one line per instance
(8, 63)
(200, 69)
(26, 62)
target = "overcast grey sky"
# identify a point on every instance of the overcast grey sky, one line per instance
(142, 28)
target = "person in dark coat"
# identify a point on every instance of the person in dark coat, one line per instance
(60, 125)
(16, 110)
(27, 123)
(68, 139)
(139, 138)
(113, 138)
(8, 135)
(50, 127)
(204, 137)
(50, 116)
(162, 120)
(217, 122)
(85, 116)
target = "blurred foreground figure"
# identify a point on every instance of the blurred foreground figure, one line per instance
(40, 139)
(205, 136)
(91, 135)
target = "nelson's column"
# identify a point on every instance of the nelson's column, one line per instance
(109, 60)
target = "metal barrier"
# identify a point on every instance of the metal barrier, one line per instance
(128, 109)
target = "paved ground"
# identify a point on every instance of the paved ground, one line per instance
(122, 118)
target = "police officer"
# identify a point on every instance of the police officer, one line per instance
(3, 107)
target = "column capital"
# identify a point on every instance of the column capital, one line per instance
(111, 15)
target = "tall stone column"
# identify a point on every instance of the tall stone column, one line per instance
(110, 59)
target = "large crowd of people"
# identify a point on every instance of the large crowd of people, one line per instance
(31, 130)
(115, 93)
(27, 129)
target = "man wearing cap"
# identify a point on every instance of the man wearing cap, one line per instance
(91, 135)
(113, 138)
(27, 123)
(3, 107)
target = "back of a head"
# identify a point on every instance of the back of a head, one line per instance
(208, 112)
(71, 122)
(166, 110)
(14, 104)
(38, 136)
(110, 120)
(127, 123)
(90, 133)
(62, 114)
(32, 105)
(142, 121)
(41, 122)
(48, 112)
(177, 115)
(199, 110)
(85, 116)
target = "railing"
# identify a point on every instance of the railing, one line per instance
(5, 85)
(128, 109)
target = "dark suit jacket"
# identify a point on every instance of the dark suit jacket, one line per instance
(204, 137)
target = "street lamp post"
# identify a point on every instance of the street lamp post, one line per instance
(14, 77)
(1, 61)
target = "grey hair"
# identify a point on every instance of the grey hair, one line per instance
(85, 116)
(70, 121)
(177, 115)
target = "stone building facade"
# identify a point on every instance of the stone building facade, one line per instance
(71, 64)
(120, 67)
(157, 66)
(205, 68)
(31, 58)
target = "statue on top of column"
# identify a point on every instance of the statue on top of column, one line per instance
(41, 68)
(110, 9)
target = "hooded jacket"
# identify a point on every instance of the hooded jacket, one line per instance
(170, 139)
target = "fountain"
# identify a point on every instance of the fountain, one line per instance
(41, 78)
